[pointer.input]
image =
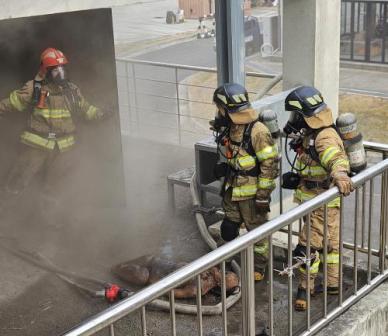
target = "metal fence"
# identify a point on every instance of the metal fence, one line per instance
(174, 99)
(373, 207)
(364, 31)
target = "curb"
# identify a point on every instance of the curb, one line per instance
(364, 66)
(343, 64)
(368, 317)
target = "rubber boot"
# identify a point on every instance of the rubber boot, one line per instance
(330, 290)
(259, 275)
(301, 300)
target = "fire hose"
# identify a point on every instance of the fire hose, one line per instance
(231, 299)
(92, 286)
(99, 288)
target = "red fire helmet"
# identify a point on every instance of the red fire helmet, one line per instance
(51, 57)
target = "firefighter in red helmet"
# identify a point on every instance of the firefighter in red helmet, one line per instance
(51, 103)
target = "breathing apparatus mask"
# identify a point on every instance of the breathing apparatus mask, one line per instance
(295, 123)
(220, 121)
(221, 126)
(57, 75)
(296, 126)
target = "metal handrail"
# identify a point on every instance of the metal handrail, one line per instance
(215, 257)
(190, 67)
(376, 147)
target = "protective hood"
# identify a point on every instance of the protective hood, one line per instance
(40, 76)
(321, 119)
(244, 117)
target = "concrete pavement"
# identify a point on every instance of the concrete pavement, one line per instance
(144, 20)
(142, 25)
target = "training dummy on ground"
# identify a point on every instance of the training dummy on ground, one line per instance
(149, 269)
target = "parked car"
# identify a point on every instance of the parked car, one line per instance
(253, 36)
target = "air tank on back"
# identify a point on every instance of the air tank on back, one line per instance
(270, 119)
(347, 127)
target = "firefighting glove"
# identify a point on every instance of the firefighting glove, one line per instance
(211, 124)
(220, 170)
(103, 114)
(343, 182)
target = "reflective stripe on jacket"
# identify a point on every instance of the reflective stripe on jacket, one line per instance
(54, 114)
(246, 186)
(314, 268)
(308, 170)
(332, 158)
(302, 195)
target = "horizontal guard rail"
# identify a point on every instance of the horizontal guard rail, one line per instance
(376, 147)
(138, 300)
(190, 67)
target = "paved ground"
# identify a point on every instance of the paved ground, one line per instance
(143, 24)
(144, 20)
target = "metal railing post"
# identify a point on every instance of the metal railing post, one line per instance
(280, 176)
(385, 219)
(290, 306)
(178, 105)
(248, 292)
(325, 243)
(355, 256)
(199, 305)
(308, 269)
(143, 321)
(135, 93)
(341, 251)
(383, 215)
(363, 216)
(223, 299)
(172, 313)
(270, 286)
(371, 192)
(128, 92)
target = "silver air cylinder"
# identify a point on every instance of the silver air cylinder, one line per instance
(270, 119)
(347, 126)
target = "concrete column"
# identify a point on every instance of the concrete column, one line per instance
(230, 41)
(311, 46)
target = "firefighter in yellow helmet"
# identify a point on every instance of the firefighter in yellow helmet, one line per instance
(50, 102)
(321, 163)
(250, 169)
